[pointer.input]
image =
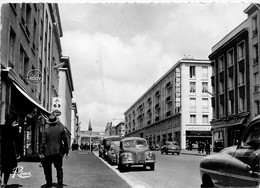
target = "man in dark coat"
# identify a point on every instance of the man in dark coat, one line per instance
(9, 141)
(53, 147)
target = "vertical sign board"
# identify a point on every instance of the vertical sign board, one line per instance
(178, 87)
(56, 103)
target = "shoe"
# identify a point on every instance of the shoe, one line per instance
(46, 185)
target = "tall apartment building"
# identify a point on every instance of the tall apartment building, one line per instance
(177, 107)
(235, 80)
(30, 50)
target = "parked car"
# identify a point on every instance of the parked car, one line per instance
(113, 152)
(135, 151)
(235, 166)
(171, 147)
(107, 144)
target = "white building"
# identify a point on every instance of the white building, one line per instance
(177, 107)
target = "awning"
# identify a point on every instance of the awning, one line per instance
(230, 123)
(30, 99)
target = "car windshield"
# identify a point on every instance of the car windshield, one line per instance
(115, 143)
(252, 136)
(135, 144)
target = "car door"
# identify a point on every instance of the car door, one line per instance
(242, 169)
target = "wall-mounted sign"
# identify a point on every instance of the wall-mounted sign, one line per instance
(56, 103)
(34, 76)
(178, 87)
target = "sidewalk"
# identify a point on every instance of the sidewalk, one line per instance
(81, 170)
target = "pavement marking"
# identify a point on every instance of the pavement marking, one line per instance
(132, 181)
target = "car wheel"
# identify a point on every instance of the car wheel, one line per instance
(206, 181)
(161, 152)
(178, 153)
(166, 153)
(121, 167)
(152, 166)
(144, 166)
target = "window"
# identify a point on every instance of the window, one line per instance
(205, 119)
(12, 48)
(204, 87)
(241, 51)
(204, 72)
(256, 82)
(230, 83)
(242, 104)
(241, 78)
(221, 87)
(193, 104)
(221, 110)
(230, 57)
(192, 87)
(192, 72)
(231, 106)
(221, 63)
(205, 104)
(255, 54)
(257, 108)
(254, 26)
(192, 118)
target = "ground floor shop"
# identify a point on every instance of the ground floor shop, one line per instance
(227, 133)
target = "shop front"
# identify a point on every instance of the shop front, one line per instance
(31, 116)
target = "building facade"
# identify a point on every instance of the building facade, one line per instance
(30, 49)
(235, 80)
(177, 107)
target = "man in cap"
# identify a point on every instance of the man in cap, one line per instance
(53, 147)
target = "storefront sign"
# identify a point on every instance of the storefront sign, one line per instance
(178, 87)
(198, 128)
(34, 76)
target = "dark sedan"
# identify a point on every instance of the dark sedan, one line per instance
(171, 147)
(236, 166)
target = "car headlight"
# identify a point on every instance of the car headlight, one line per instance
(126, 155)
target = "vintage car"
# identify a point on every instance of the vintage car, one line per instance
(135, 151)
(107, 144)
(171, 147)
(113, 152)
(235, 166)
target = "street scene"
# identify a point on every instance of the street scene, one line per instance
(141, 95)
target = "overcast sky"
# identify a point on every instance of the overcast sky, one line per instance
(117, 51)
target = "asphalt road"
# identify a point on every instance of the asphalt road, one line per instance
(171, 171)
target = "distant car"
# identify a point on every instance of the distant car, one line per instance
(171, 147)
(113, 152)
(107, 144)
(235, 166)
(135, 151)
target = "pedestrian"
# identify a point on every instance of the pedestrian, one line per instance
(9, 147)
(202, 147)
(53, 147)
(207, 148)
(199, 146)
(190, 145)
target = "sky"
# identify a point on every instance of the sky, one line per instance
(118, 50)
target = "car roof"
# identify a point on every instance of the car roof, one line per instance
(112, 138)
(132, 138)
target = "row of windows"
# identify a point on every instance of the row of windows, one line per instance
(193, 87)
(204, 72)
(205, 118)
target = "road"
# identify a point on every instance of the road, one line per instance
(178, 171)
